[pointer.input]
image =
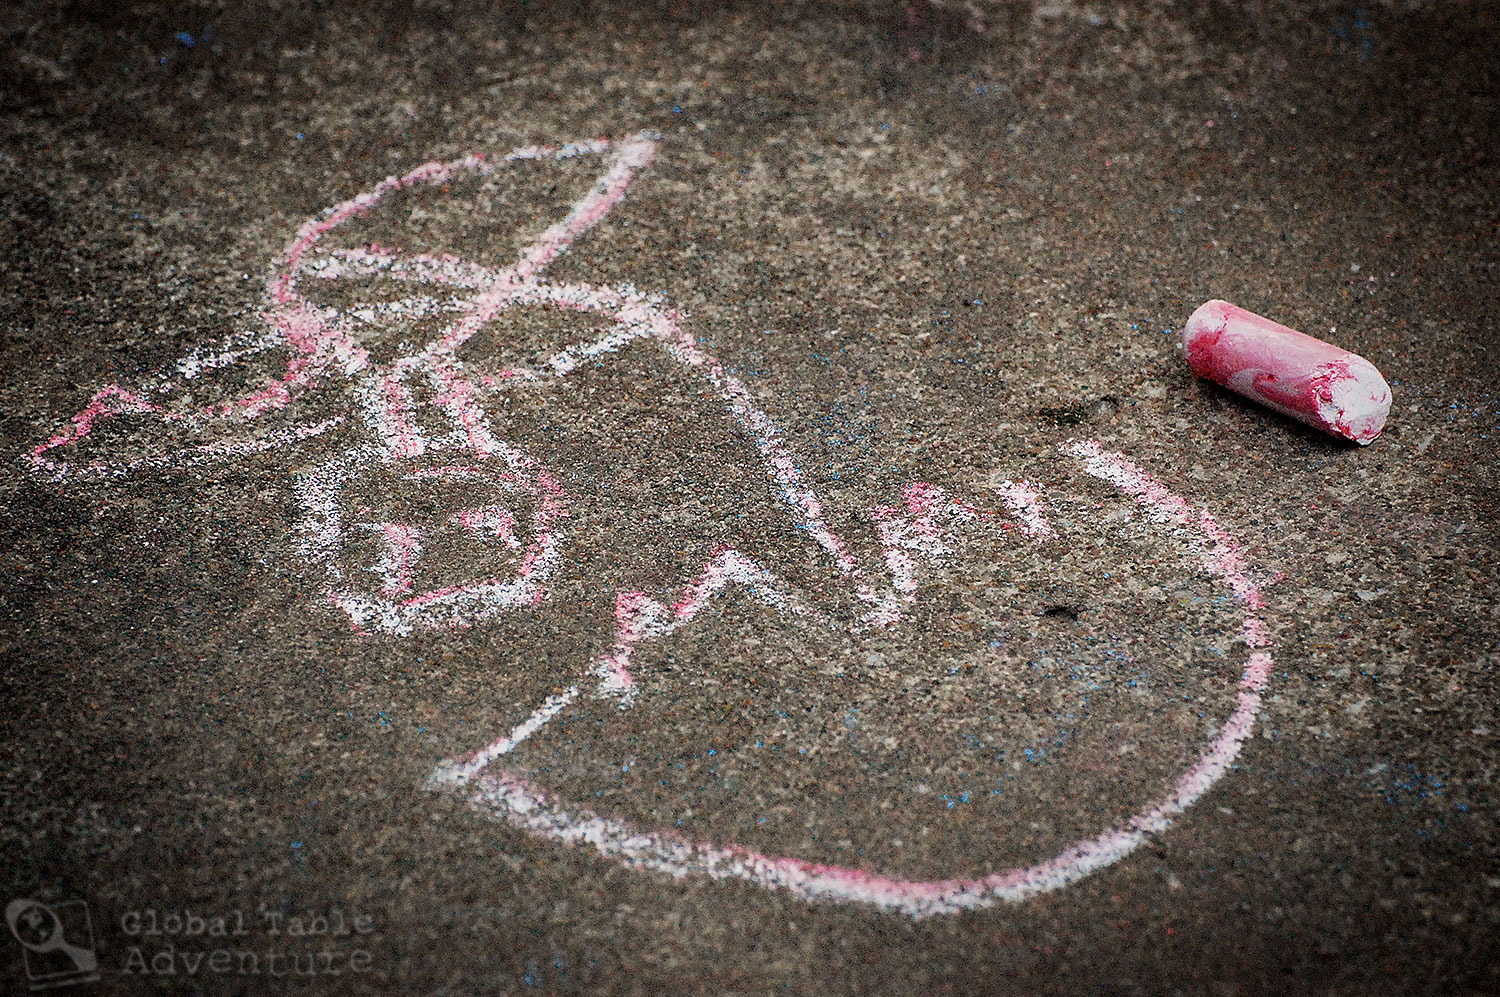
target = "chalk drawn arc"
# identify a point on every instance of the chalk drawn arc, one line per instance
(511, 798)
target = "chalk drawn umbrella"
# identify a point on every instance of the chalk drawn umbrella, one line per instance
(381, 405)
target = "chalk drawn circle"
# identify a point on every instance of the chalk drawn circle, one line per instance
(511, 797)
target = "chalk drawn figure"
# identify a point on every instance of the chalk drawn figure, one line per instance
(388, 410)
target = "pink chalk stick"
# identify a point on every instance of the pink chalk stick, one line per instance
(1312, 381)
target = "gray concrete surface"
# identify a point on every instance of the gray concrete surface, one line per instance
(933, 249)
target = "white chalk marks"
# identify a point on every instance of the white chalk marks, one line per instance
(420, 424)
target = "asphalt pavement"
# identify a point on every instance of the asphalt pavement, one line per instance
(674, 498)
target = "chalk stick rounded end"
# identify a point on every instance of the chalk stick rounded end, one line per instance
(1208, 321)
(1353, 399)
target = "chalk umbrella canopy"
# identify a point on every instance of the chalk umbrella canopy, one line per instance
(211, 405)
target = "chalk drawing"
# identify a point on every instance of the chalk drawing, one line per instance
(389, 409)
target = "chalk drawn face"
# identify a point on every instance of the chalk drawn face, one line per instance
(385, 366)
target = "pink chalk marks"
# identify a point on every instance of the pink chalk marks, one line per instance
(514, 799)
(1026, 503)
(421, 425)
(397, 606)
(322, 346)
